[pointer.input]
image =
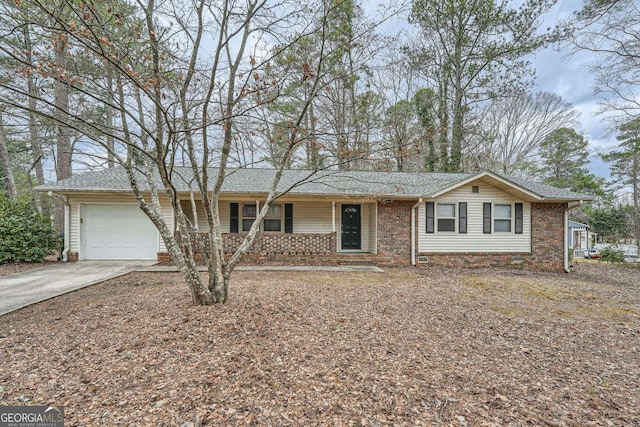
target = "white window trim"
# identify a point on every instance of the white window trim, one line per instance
(454, 218)
(257, 206)
(281, 206)
(496, 218)
(242, 217)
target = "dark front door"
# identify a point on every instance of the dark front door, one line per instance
(351, 227)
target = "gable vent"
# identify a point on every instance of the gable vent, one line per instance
(475, 189)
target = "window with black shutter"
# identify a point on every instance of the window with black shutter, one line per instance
(462, 217)
(233, 218)
(486, 218)
(430, 217)
(519, 218)
(288, 218)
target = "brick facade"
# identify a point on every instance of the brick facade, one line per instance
(284, 243)
(394, 244)
(285, 248)
(547, 231)
(547, 245)
(394, 233)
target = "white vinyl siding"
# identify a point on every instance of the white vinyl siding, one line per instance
(203, 227)
(308, 217)
(474, 240)
(76, 208)
(312, 217)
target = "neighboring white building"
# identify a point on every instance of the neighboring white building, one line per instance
(580, 237)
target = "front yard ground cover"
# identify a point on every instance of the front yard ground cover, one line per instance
(425, 346)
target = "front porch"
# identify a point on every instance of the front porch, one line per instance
(298, 232)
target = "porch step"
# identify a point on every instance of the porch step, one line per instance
(356, 260)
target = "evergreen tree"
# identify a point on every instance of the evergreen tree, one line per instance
(470, 51)
(564, 157)
(625, 166)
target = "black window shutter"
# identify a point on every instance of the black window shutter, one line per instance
(462, 217)
(519, 216)
(288, 218)
(486, 218)
(430, 217)
(233, 218)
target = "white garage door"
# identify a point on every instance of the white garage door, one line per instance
(118, 232)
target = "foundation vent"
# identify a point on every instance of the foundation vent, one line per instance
(423, 259)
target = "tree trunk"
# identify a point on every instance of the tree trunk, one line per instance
(35, 142)
(443, 132)
(63, 136)
(455, 163)
(219, 285)
(10, 183)
(635, 182)
(109, 119)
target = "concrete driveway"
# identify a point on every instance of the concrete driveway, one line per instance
(23, 289)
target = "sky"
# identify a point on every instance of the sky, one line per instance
(568, 76)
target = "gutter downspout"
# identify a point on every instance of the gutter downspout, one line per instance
(566, 241)
(67, 228)
(413, 231)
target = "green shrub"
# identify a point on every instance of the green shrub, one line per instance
(25, 235)
(611, 254)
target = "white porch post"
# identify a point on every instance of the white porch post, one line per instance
(258, 211)
(413, 231)
(333, 216)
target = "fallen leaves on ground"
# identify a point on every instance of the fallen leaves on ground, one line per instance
(425, 346)
(18, 267)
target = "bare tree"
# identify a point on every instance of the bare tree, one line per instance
(187, 77)
(511, 130)
(609, 30)
(22, 41)
(397, 84)
(5, 162)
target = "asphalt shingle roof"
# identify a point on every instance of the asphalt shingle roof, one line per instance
(323, 183)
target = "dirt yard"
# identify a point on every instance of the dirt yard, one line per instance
(408, 347)
(18, 267)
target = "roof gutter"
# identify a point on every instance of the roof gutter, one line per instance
(413, 231)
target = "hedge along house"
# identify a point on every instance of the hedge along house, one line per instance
(337, 217)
